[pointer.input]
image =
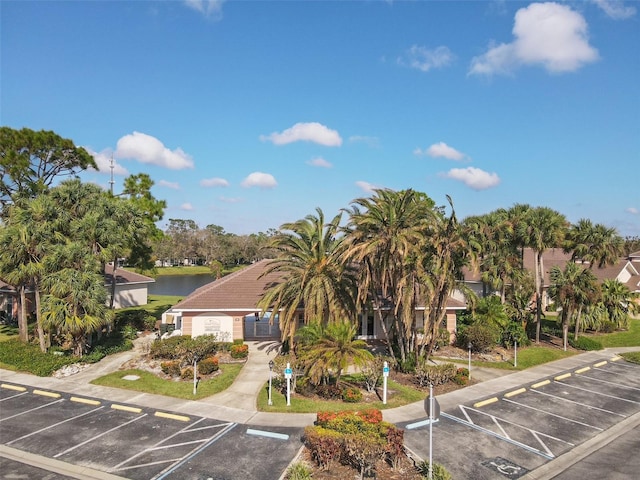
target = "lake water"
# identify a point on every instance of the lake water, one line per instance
(181, 285)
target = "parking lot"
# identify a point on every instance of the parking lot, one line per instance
(138, 443)
(517, 431)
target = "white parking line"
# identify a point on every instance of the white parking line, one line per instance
(13, 396)
(98, 436)
(32, 410)
(598, 393)
(553, 414)
(620, 385)
(54, 425)
(579, 403)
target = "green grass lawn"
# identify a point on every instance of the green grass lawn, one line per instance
(633, 357)
(402, 396)
(630, 338)
(182, 270)
(149, 383)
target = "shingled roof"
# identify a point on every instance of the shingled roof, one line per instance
(124, 276)
(240, 290)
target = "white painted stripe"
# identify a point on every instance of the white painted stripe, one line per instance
(554, 415)
(52, 426)
(579, 403)
(13, 396)
(82, 444)
(493, 434)
(601, 394)
(620, 385)
(31, 410)
(422, 423)
(151, 464)
(263, 433)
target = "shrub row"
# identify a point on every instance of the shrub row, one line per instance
(357, 439)
(434, 374)
(175, 348)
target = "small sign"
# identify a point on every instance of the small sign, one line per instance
(385, 371)
(287, 373)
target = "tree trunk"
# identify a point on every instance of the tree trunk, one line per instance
(23, 324)
(538, 266)
(41, 336)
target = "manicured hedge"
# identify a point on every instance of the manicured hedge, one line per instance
(585, 343)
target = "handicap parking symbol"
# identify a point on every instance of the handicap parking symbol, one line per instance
(505, 467)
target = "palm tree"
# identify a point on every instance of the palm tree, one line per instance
(333, 347)
(314, 277)
(75, 302)
(619, 302)
(542, 228)
(383, 237)
(572, 289)
(594, 244)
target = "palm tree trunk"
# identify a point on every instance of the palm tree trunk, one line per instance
(23, 325)
(538, 262)
(41, 336)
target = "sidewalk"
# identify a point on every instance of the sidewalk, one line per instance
(239, 402)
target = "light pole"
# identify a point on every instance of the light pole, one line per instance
(195, 373)
(430, 431)
(469, 347)
(270, 375)
(515, 353)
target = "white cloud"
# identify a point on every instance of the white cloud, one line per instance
(186, 206)
(214, 182)
(231, 199)
(615, 9)
(320, 162)
(308, 132)
(147, 149)
(259, 179)
(366, 186)
(443, 150)
(473, 177)
(209, 8)
(633, 211)
(370, 141)
(173, 185)
(424, 59)
(103, 162)
(547, 34)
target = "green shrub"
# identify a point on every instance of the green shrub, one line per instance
(444, 338)
(462, 376)
(608, 326)
(129, 331)
(208, 365)
(187, 373)
(481, 337)
(330, 392)
(585, 343)
(438, 473)
(434, 374)
(515, 332)
(171, 367)
(351, 395)
(27, 357)
(298, 471)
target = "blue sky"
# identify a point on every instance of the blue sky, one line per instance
(251, 114)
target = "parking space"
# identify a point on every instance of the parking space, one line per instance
(516, 431)
(139, 443)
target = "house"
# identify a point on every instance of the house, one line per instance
(131, 288)
(228, 307)
(626, 270)
(131, 291)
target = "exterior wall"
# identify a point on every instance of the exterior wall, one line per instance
(130, 295)
(212, 323)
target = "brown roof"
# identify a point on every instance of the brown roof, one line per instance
(240, 290)
(124, 276)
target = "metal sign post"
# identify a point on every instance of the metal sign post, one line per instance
(515, 353)
(431, 431)
(287, 375)
(385, 375)
(270, 375)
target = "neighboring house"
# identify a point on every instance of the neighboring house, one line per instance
(228, 307)
(132, 289)
(625, 270)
